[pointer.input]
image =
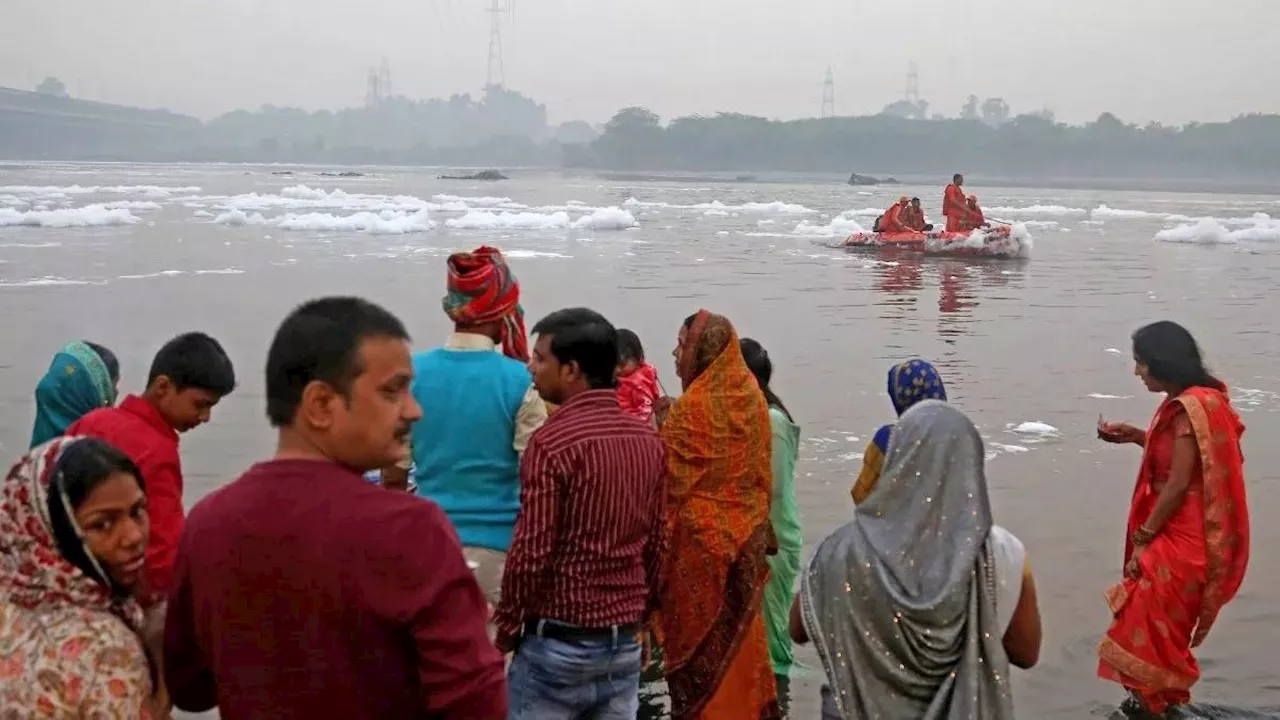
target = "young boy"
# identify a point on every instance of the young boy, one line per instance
(637, 379)
(189, 375)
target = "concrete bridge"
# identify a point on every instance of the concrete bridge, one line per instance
(35, 126)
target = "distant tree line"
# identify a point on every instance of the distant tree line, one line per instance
(504, 128)
(983, 142)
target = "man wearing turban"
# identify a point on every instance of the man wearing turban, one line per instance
(479, 410)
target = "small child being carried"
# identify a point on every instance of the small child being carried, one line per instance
(637, 380)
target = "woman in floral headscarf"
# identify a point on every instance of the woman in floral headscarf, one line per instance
(711, 621)
(910, 382)
(73, 530)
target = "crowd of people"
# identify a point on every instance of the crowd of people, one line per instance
(547, 522)
(907, 216)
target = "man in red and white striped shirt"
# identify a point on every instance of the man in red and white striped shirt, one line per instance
(582, 571)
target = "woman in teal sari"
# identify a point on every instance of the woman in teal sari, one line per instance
(82, 378)
(785, 518)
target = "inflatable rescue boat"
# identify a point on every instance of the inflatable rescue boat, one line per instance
(994, 241)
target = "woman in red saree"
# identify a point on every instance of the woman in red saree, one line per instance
(720, 481)
(1188, 535)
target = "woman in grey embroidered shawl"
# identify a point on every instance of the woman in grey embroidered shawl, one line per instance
(909, 603)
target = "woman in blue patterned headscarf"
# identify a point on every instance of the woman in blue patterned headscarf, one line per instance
(910, 382)
(82, 378)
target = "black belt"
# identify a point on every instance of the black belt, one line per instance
(553, 630)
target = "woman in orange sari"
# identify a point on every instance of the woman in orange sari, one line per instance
(1188, 536)
(720, 481)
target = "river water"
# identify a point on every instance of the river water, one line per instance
(1042, 339)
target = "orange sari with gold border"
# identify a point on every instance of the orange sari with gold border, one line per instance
(719, 485)
(1195, 564)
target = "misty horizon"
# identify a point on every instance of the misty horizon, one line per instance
(1174, 62)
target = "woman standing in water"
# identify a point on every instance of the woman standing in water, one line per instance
(73, 531)
(1187, 542)
(719, 483)
(785, 518)
(919, 605)
(910, 381)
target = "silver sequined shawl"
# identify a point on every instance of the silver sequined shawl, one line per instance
(901, 602)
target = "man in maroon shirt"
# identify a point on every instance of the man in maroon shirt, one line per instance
(302, 591)
(188, 377)
(582, 571)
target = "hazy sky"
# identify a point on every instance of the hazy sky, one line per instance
(1166, 60)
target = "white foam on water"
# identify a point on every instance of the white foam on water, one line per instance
(1104, 396)
(87, 216)
(56, 191)
(610, 218)
(301, 197)
(384, 223)
(840, 226)
(145, 205)
(1259, 228)
(607, 218)
(46, 281)
(480, 201)
(1033, 428)
(202, 214)
(1250, 399)
(1035, 211)
(305, 193)
(528, 254)
(144, 276)
(777, 207)
(1009, 448)
(489, 220)
(30, 245)
(238, 218)
(1102, 212)
(716, 213)
(1114, 351)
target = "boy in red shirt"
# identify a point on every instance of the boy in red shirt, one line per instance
(637, 380)
(189, 375)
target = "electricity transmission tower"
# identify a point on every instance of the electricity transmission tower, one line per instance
(913, 84)
(497, 9)
(828, 95)
(378, 84)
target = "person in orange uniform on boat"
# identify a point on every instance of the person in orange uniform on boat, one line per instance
(892, 219)
(912, 216)
(953, 203)
(973, 216)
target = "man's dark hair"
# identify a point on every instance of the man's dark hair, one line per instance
(915, 200)
(194, 360)
(629, 347)
(584, 337)
(320, 340)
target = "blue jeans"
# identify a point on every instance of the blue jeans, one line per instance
(597, 679)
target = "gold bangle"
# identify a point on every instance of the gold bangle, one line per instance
(1143, 536)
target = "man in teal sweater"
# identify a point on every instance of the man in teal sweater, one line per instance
(479, 410)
